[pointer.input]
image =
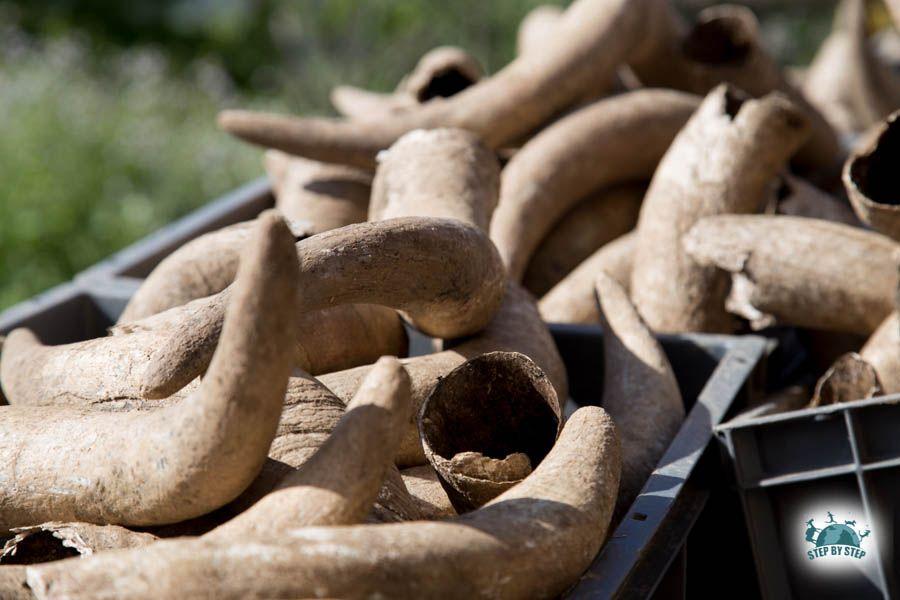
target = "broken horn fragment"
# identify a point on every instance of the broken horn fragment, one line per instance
(487, 424)
(441, 73)
(849, 378)
(870, 178)
(882, 351)
(802, 272)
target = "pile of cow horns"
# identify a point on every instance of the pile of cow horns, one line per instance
(246, 430)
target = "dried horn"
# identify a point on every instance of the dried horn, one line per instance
(562, 509)
(721, 162)
(615, 140)
(487, 424)
(185, 459)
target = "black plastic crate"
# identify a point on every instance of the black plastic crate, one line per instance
(64, 314)
(682, 504)
(792, 466)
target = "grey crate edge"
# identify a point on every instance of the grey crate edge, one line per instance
(242, 203)
(740, 421)
(609, 576)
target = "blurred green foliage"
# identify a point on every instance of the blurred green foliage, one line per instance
(108, 108)
(93, 156)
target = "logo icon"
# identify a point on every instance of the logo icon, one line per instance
(835, 538)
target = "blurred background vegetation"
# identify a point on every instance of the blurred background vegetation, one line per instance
(108, 108)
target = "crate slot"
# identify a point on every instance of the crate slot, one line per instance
(878, 426)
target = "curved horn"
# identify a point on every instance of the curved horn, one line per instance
(615, 140)
(572, 299)
(440, 73)
(723, 46)
(849, 378)
(182, 460)
(593, 38)
(561, 510)
(721, 162)
(323, 197)
(458, 275)
(339, 484)
(445, 173)
(459, 285)
(594, 222)
(640, 391)
(786, 269)
(327, 340)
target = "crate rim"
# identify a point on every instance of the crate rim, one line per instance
(743, 422)
(182, 228)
